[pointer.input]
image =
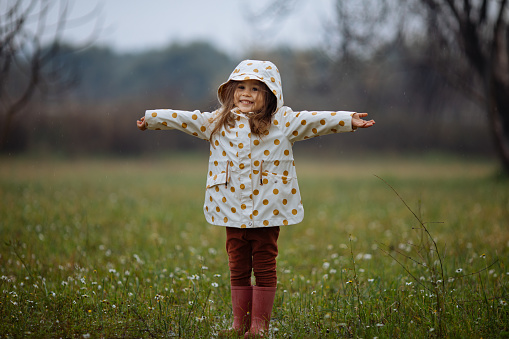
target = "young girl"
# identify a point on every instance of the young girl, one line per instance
(252, 183)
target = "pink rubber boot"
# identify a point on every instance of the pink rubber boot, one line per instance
(263, 300)
(241, 304)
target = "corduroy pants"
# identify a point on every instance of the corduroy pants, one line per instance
(252, 250)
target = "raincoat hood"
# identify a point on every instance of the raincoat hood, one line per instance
(264, 71)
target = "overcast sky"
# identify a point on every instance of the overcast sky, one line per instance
(134, 25)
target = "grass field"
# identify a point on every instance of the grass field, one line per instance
(120, 248)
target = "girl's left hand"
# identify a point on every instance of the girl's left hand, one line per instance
(358, 122)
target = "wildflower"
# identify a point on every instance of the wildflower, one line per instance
(409, 283)
(314, 292)
(127, 273)
(138, 260)
(217, 275)
(459, 270)
(86, 335)
(349, 282)
(332, 271)
(204, 268)
(379, 325)
(367, 256)
(325, 265)
(112, 270)
(371, 280)
(214, 284)
(503, 302)
(483, 256)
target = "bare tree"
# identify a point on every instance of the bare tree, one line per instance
(467, 41)
(30, 46)
(472, 37)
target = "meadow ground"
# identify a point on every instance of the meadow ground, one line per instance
(120, 248)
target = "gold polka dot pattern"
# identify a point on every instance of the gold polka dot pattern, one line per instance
(251, 180)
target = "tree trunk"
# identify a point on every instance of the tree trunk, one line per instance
(500, 129)
(4, 133)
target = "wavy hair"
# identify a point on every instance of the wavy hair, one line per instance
(259, 122)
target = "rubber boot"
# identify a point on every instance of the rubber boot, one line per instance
(241, 304)
(263, 300)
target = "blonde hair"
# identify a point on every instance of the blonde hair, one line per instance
(259, 122)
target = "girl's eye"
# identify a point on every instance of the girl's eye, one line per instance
(241, 87)
(255, 89)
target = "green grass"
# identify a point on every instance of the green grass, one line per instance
(120, 248)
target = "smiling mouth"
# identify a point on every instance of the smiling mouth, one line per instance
(246, 102)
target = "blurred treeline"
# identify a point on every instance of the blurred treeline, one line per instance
(415, 109)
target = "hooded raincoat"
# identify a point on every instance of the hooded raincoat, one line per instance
(251, 180)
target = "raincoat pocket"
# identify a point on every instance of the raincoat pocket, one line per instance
(268, 178)
(216, 179)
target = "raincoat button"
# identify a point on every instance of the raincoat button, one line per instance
(250, 223)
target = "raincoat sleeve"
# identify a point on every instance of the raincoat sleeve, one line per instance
(309, 124)
(195, 123)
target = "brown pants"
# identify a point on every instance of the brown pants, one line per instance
(252, 249)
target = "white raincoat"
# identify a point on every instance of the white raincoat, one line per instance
(251, 180)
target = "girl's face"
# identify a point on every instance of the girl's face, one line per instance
(248, 96)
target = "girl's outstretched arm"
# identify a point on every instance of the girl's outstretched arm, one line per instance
(358, 122)
(195, 123)
(141, 124)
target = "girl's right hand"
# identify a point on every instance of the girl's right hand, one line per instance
(141, 124)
